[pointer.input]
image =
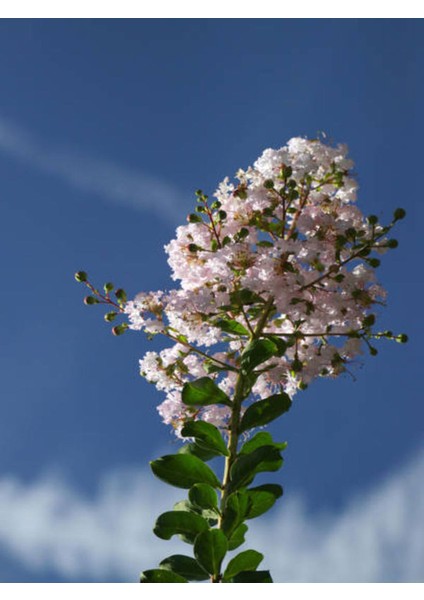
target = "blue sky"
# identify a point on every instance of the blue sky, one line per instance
(107, 127)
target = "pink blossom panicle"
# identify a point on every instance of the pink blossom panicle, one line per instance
(288, 231)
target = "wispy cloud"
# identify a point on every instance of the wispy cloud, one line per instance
(376, 538)
(108, 180)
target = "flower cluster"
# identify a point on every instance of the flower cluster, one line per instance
(287, 241)
(282, 255)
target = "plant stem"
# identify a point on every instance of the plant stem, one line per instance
(241, 392)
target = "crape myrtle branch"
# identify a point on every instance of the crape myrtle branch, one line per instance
(277, 288)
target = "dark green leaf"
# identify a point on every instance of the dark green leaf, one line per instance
(262, 438)
(261, 499)
(185, 566)
(183, 470)
(271, 488)
(245, 296)
(203, 392)
(203, 496)
(280, 343)
(206, 435)
(234, 513)
(237, 537)
(245, 467)
(256, 353)
(196, 450)
(230, 326)
(179, 522)
(210, 548)
(161, 576)
(249, 560)
(210, 514)
(253, 577)
(264, 411)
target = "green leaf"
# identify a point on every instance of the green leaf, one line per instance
(210, 548)
(210, 514)
(234, 513)
(185, 566)
(262, 438)
(179, 522)
(257, 352)
(185, 505)
(231, 326)
(245, 296)
(196, 450)
(246, 466)
(280, 343)
(206, 435)
(237, 537)
(253, 577)
(183, 470)
(249, 560)
(203, 392)
(261, 499)
(264, 411)
(203, 496)
(161, 576)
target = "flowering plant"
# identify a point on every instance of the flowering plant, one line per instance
(277, 288)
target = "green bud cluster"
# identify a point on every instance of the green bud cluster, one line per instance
(97, 297)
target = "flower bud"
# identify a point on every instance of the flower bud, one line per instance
(119, 329)
(402, 338)
(90, 300)
(372, 220)
(392, 243)
(240, 192)
(108, 287)
(296, 365)
(121, 295)
(285, 172)
(368, 321)
(81, 276)
(399, 213)
(268, 184)
(110, 316)
(193, 218)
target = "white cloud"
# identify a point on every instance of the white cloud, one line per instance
(378, 537)
(110, 181)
